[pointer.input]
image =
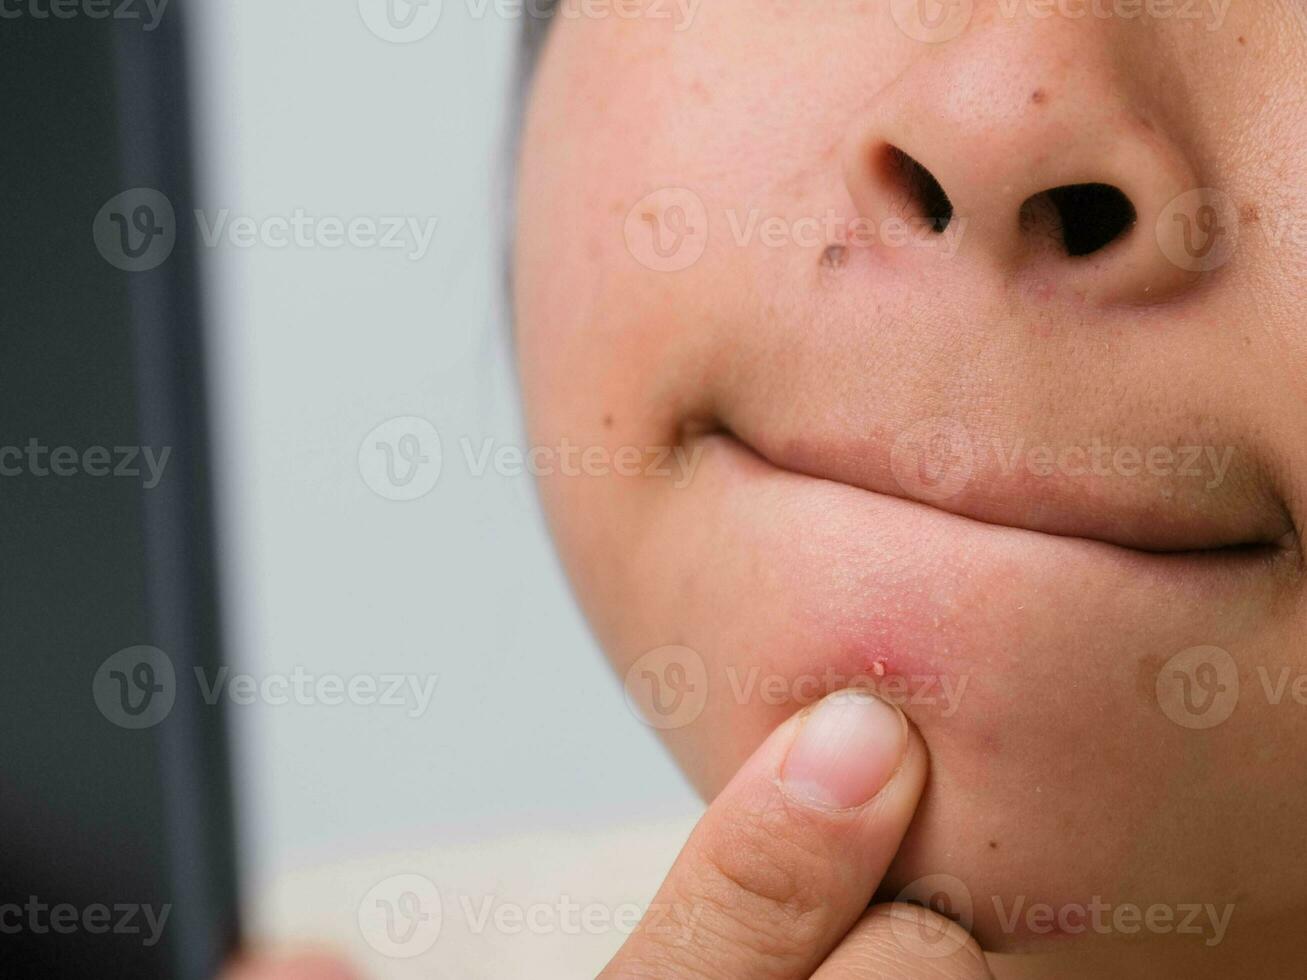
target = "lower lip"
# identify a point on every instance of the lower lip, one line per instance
(919, 584)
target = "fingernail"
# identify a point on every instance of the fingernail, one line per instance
(846, 750)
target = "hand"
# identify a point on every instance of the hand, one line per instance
(775, 880)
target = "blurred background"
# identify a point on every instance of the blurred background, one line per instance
(328, 111)
(294, 217)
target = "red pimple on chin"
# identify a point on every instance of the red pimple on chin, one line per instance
(874, 665)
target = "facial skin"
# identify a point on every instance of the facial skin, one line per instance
(930, 464)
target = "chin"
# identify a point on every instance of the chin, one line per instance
(1028, 661)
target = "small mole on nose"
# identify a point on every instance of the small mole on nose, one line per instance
(834, 256)
(1039, 96)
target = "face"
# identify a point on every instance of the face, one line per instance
(963, 351)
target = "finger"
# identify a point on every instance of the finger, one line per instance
(906, 942)
(788, 856)
(305, 966)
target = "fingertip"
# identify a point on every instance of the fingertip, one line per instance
(847, 749)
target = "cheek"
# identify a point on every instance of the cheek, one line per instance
(648, 155)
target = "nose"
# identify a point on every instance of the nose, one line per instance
(1033, 145)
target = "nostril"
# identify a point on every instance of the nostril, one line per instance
(918, 187)
(1089, 216)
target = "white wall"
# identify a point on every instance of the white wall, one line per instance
(303, 106)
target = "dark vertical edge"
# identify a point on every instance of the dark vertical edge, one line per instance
(155, 121)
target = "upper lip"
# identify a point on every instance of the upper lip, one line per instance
(1167, 509)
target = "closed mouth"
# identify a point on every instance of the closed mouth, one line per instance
(1265, 536)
